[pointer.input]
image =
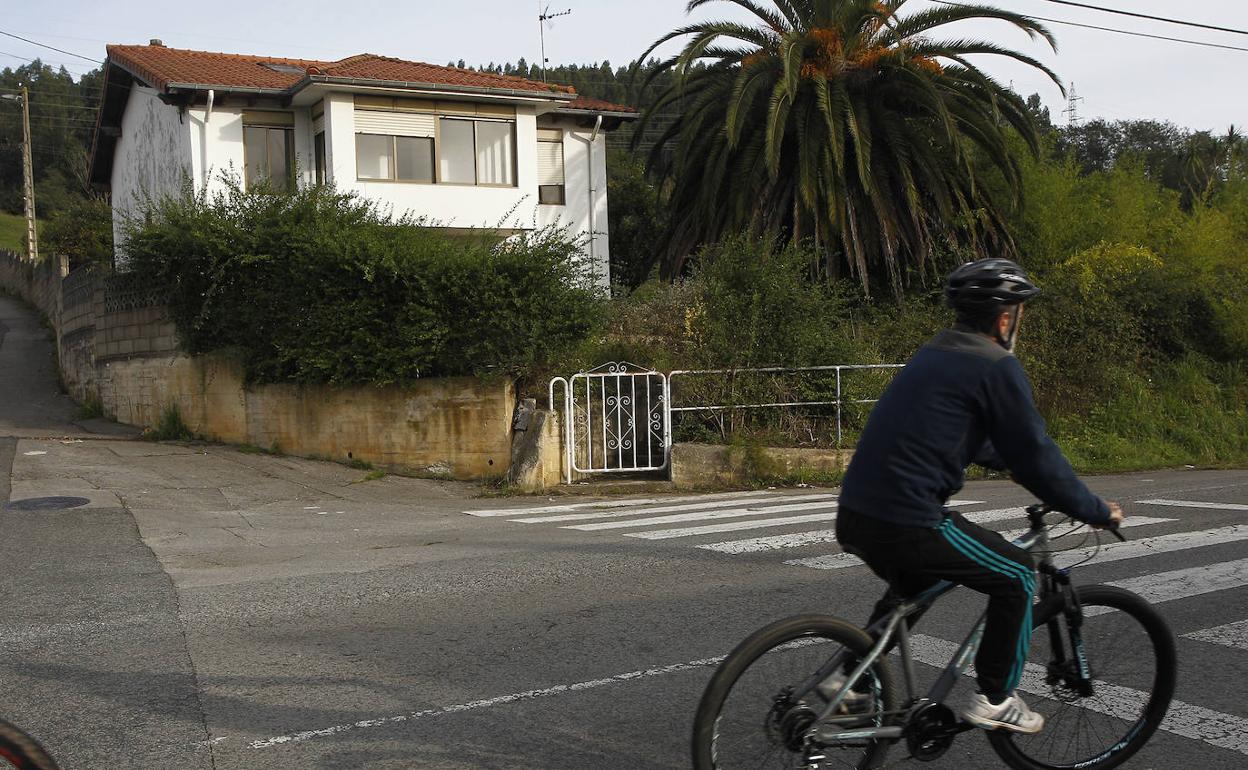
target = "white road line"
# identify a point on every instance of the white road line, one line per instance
(670, 508)
(527, 695)
(1185, 583)
(843, 560)
(1230, 635)
(731, 526)
(677, 518)
(611, 503)
(1134, 549)
(1225, 731)
(1195, 504)
(1070, 540)
(799, 539)
(748, 510)
(771, 542)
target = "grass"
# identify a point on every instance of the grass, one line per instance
(13, 231)
(170, 427)
(89, 409)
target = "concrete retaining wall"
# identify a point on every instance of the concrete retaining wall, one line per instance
(698, 466)
(117, 345)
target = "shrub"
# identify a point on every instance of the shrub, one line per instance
(82, 232)
(318, 286)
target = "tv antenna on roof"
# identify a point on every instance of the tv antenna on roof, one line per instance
(544, 19)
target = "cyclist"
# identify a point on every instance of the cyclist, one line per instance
(963, 398)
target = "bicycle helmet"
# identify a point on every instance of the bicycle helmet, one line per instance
(986, 286)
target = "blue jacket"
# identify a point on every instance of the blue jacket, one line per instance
(962, 398)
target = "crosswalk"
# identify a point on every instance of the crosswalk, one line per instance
(797, 529)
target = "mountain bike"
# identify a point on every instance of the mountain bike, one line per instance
(1102, 659)
(19, 750)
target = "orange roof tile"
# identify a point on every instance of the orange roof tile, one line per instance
(161, 66)
(595, 105)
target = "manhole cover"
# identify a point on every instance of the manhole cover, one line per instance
(45, 503)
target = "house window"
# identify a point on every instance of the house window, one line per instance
(269, 148)
(550, 185)
(318, 146)
(478, 152)
(394, 158)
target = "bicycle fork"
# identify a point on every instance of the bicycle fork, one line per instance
(1061, 667)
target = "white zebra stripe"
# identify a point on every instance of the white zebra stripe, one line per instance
(704, 515)
(1185, 719)
(1109, 552)
(1229, 635)
(609, 504)
(683, 507)
(1196, 504)
(1186, 583)
(732, 526)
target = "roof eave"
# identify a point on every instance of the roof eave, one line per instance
(406, 85)
(605, 113)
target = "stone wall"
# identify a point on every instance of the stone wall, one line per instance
(456, 427)
(118, 346)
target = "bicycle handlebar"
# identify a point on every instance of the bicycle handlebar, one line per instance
(1037, 511)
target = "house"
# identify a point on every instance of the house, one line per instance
(463, 149)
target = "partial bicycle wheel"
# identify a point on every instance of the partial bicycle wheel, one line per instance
(1131, 653)
(751, 715)
(19, 750)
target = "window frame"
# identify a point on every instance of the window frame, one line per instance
(563, 167)
(476, 169)
(289, 136)
(394, 160)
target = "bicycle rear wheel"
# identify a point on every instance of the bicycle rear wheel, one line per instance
(19, 750)
(1131, 653)
(751, 716)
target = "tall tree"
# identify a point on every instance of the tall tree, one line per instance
(844, 121)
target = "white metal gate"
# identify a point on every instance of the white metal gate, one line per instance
(616, 419)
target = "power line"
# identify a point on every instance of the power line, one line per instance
(1150, 17)
(50, 48)
(1113, 29)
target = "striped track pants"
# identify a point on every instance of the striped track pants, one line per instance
(914, 558)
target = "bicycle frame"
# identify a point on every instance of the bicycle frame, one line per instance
(1056, 586)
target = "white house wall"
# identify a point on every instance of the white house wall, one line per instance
(216, 146)
(574, 214)
(152, 155)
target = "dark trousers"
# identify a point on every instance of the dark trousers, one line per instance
(912, 559)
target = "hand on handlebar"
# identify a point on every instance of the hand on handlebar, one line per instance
(1115, 519)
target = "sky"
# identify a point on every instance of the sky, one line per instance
(1116, 76)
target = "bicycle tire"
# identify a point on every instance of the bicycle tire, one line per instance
(791, 631)
(22, 751)
(1150, 692)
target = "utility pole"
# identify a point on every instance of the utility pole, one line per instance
(28, 179)
(544, 16)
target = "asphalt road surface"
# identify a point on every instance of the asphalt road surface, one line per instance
(197, 607)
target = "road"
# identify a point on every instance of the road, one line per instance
(200, 607)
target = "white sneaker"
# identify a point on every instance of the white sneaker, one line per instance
(1010, 714)
(853, 702)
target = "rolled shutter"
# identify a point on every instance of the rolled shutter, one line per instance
(318, 123)
(395, 123)
(549, 163)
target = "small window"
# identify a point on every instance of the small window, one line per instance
(550, 182)
(550, 194)
(269, 155)
(318, 146)
(374, 156)
(415, 158)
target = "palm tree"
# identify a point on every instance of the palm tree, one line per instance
(845, 122)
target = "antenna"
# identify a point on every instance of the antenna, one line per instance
(544, 17)
(1072, 107)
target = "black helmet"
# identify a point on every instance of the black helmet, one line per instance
(988, 285)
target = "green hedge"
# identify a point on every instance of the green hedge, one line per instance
(319, 286)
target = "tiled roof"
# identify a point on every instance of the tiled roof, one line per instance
(595, 105)
(161, 66)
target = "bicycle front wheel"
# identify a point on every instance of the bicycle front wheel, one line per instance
(754, 715)
(1131, 653)
(19, 750)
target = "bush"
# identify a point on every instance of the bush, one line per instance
(83, 233)
(318, 286)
